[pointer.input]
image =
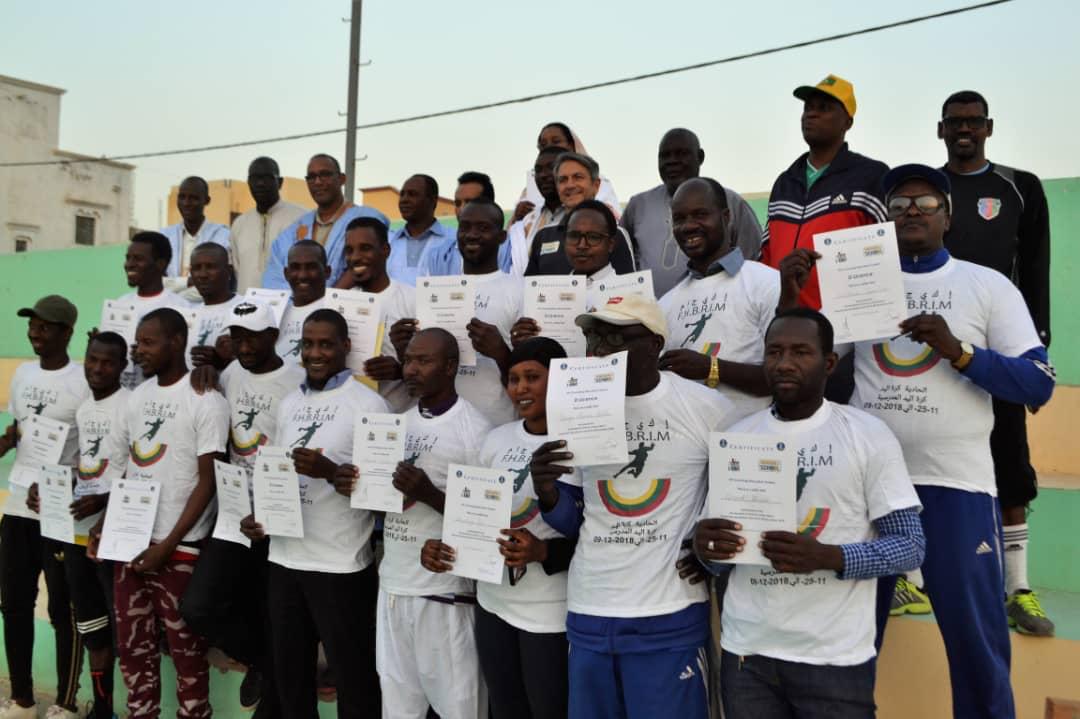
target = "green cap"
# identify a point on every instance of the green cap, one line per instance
(52, 308)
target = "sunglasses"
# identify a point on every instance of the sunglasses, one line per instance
(616, 339)
(975, 123)
(925, 204)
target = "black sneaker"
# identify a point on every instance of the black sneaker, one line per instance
(251, 689)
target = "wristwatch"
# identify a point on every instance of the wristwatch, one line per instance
(714, 374)
(967, 352)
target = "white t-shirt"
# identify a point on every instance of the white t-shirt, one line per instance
(638, 514)
(498, 302)
(292, 330)
(943, 419)
(337, 538)
(537, 603)
(211, 321)
(169, 429)
(103, 448)
(55, 394)
(398, 302)
(849, 471)
(432, 444)
(253, 403)
(725, 317)
(133, 375)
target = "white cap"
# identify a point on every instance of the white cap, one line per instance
(628, 310)
(254, 316)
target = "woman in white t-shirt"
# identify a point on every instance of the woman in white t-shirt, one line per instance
(521, 622)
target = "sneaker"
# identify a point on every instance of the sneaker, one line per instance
(250, 689)
(908, 599)
(11, 710)
(1026, 614)
(58, 712)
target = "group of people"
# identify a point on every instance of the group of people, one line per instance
(911, 451)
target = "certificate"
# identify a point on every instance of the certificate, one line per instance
(129, 520)
(363, 314)
(233, 502)
(752, 482)
(277, 493)
(632, 283)
(448, 302)
(55, 490)
(276, 300)
(378, 446)
(554, 302)
(41, 441)
(586, 406)
(119, 317)
(478, 503)
(862, 287)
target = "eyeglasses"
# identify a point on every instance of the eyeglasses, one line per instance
(616, 339)
(925, 204)
(592, 239)
(975, 123)
(324, 175)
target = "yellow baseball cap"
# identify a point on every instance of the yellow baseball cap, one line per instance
(833, 86)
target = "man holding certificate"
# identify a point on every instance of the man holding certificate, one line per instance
(637, 630)
(52, 387)
(800, 630)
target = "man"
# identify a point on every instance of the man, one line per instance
(306, 272)
(717, 314)
(1000, 220)
(523, 230)
(103, 455)
(803, 646)
(325, 224)
(254, 231)
(577, 178)
(425, 649)
(417, 246)
(226, 601)
(194, 229)
(647, 216)
(827, 188)
(472, 186)
(175, 434)
(637, 631)
(970, 338)
(447, 259)
(52, 387)
(367, 249)
(211, 275)
(323, 585)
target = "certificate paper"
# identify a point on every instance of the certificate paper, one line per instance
(378, 446)
(118, 317)
(586, 406)
(233, 502)
(55, 491)
(129, 520)
(555, 301)
(862, 287)
(632, 283)
(752, 482)
(363, 314)
(277, 493)
(276, 300)
(478, 504)
(41, 442)
(448, 302)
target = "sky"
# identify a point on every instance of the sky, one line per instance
(143, 76)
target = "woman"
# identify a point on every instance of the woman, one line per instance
(559, 135)
(521, 623)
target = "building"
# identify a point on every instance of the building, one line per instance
(231, 198)
(81, 201)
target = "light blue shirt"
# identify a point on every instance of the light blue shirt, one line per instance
(412, 257)
(446, 259)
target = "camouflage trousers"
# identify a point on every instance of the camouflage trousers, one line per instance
(143, 603)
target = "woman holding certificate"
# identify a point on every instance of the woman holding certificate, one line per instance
(521, 622)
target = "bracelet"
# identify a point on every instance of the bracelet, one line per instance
(714, 374)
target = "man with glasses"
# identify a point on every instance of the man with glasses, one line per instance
(254, 231)
(968, 339)
(1000, 220)
(325, 224)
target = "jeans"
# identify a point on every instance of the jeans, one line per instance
(757, 687)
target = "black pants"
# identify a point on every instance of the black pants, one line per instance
(339, 609)
(24, 555)
(525, 673)
(226, 603)
(1017, 483)
(90, 585)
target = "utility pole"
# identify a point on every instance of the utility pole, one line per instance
(354, 71)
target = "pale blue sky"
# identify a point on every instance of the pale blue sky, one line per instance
(146, 75)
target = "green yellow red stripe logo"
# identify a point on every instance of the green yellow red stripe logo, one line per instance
(524, 513)
(145, 459)
(626, 506)
(87, 473)
(896, 366)
(246, 449)
(814, 522)
(711, 348)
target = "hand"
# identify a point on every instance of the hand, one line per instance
(525, 328)
(800, 553)
(94, 540)
(9, 439)
(437, 557)
(413, 482)
(203, 355)
(523, 208)
(223, 348)
(794, 272)
(486, 339)
(715, 539)
(151, 559)
(522, 547)
(205, 378)
(88, 506)
(33, 500)
(401, 333)
(545, 470)
(691, 570)
(345, 479)
(933, 330)
(252, 529)
(383, 368)
(686, 363)
(313, 464)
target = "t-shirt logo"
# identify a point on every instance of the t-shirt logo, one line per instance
(893, 360)
(529, 508)
(306, 435)
(142, 457)
(698, 326)
(989, 207)
(636, 465)
(248, 420)
(36, 408)
(634, 505)
(93, 446)
(251, 446)
(294, 351)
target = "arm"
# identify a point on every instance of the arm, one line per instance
(745, 377)
(1027, 379)
(565, 511)
(9, 439)
(1033, 258)
(898, 548)
(274, 275)
(560, 550)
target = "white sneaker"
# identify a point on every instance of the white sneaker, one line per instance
(58, 712)
(11, 710)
